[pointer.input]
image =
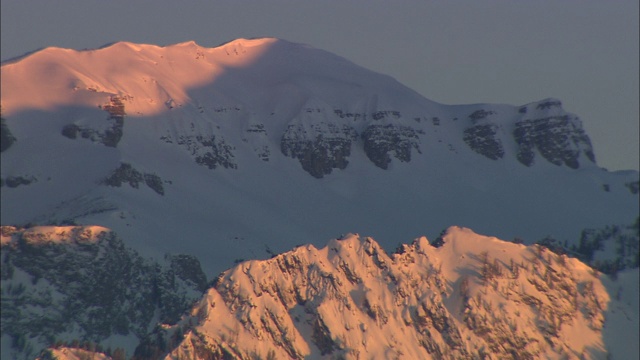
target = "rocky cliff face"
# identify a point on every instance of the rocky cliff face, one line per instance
(323, 140)
(382, 140)
(320, 147)
(541, 129)
(558, 137)
(352, 300)
(81, 283)
(482, 136)
(482, 139)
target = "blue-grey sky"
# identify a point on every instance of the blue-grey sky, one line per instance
(584, 52)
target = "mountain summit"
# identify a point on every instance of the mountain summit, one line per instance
(317, 105)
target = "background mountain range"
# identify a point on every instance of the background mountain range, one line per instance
(257, 146)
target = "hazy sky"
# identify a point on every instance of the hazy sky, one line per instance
(583, 52)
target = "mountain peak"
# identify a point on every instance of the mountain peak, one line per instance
(250, 42)
(333, 301)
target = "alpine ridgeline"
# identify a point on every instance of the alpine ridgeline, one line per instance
(210, 156)
(473, 297)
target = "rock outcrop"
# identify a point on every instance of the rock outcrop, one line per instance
(127, 174)
(557, 136)
(382, 140)
(207, 150)
(319, 147)
(109, 133)
(483, 140)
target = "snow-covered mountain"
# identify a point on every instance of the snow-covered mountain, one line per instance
(261, 143)
(256, 146)
(472, 297)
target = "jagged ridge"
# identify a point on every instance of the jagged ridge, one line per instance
(352, 300)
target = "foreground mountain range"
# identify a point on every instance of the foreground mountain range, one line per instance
(158, 165)
(462, 296)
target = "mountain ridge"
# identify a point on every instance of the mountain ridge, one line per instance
(334, 328)
(9, 107)
(328, 302)
(289, 112)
